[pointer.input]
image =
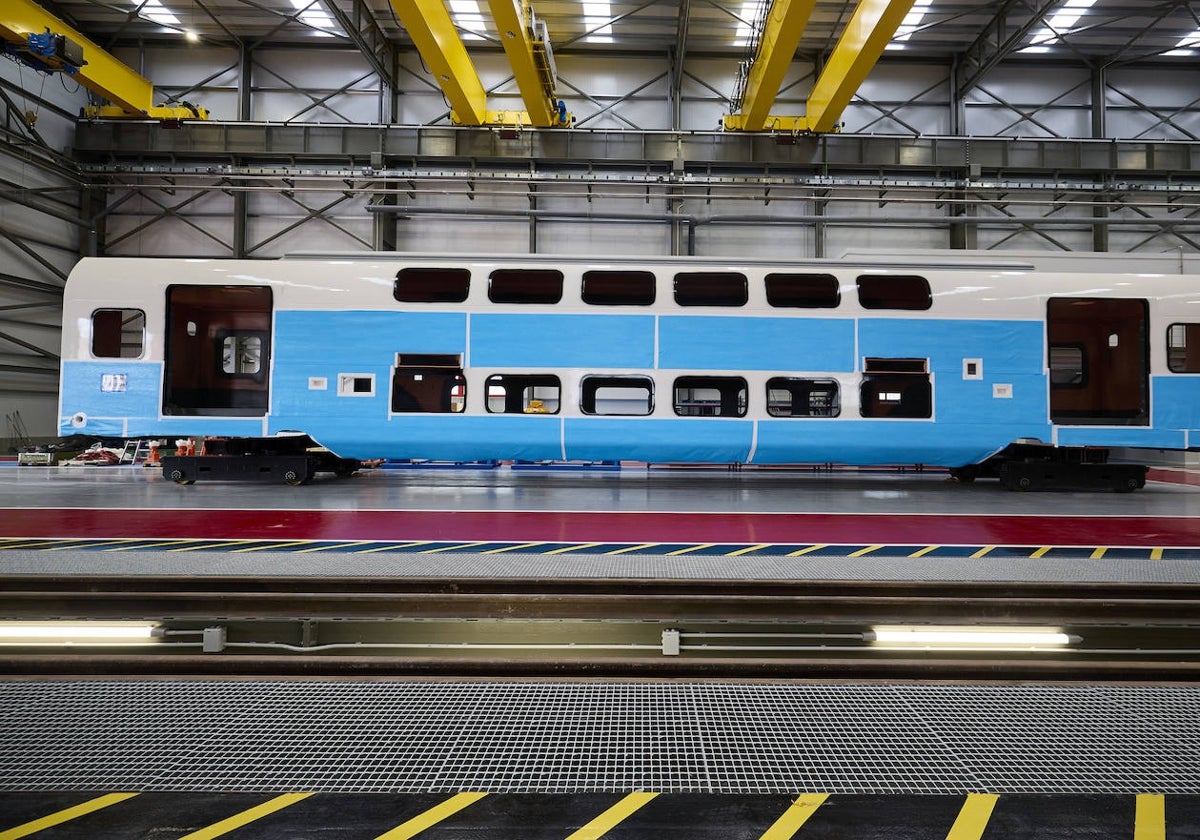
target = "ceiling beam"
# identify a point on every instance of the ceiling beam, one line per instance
(530, 57)
(433, 33)
(781, 34)
(995, 43)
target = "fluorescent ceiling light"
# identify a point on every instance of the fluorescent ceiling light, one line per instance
(78, 632)
(1060, 24)
(597, 20)
(314, 14)
(969, 637)
(910, 24)
(469, 19)
(155, 11)
(749, 12)
(1186, 45)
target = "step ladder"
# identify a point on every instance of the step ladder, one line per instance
(135, 451)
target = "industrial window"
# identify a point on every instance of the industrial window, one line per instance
(789, 396)
(525, 285)
(710, 396)
(432, 285)
(1183, 348)
(523, 394)
(118, 333)
(803, 291)
(430, 383)
(617, 395)
(711, 288)
(896, 388)
(618, 288)
(1068, 366)
(901, 291)
(242, 353)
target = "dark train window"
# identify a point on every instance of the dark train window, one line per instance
(118, 333)
(803, 291)
(896, 388)
(432, 285)
(523, 394)
(898, 291)
(1068, 366)
(711, 288)
(617, 395)
(1183, 348)
(428, 383)
(618, 288)
(525, 285)
(794, 397)
(710, 396)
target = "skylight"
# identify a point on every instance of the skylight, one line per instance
(155, 11)
(910, 24)
(597, 20)
(745, 31)
(1060, 24)
(468, 19)
(314, 14)
(1186, 46)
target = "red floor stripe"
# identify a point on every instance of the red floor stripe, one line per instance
(579, 526)
(1174, 476)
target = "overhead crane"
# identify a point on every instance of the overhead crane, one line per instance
(47, 43)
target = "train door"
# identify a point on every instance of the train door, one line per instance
(1099, 361)
(218, 349)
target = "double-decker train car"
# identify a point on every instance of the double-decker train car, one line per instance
(985, 368)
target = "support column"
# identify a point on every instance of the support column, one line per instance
(92, 203)
(383, 230)
(241, 217)
(1099, 103)
(245, 79)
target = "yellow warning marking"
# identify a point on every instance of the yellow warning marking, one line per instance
(565, 549)
(1156, 553)
(387, 547)
(1098, 554)
(807, 550)
(76, 544)
(922, 552)
(141, 544)
(614, 815)
(1041, 552)
(513, 547)
(632, 548)
(245, 817)
(431, 817)
(270, 545)
(863, 551)
(335, 544)
(1150, 817)
(748, 549)
(31, 543)
(983, 552)
(974, 816)
(218, 544)
(795, 817)
(65, 815)
(690, 548)
(455, 545)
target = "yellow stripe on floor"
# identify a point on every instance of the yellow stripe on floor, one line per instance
(65, 815)
(246, 817)
(748, 549)
(974, 816)
(983, 552)
(795, 817)
(271, 545)
(1098, 554)
(219, 544)
(140, 544)
(614, 816)
(1156, 553)
(452, 547)
(922, 552)
(1150, 817)
(807, 550)
(335, 544)
(632, 548)
(513, 547)
(388, 547)
(1041, 552)
(431, 817)
(565, 549)
(689, 549)
(864, 551)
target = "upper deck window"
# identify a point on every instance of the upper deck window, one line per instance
(118, 333)
(894, 291)
(1183, 348)
(711, 288)
(803, 291)
(525, 285)
(432, 285)
(618, 288)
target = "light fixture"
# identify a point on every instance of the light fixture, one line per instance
(191, 36)
(66, 633)
(969, 637)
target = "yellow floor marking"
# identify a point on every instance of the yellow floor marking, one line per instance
(987, 549)
(30, 543)
(565, 549)
(271, 545)
(690, 548)
(807, 550)
(974, 816)
(924, 551)
(863, 551)
(503, 549)
(334, 544)
(141, 544)
(246, 817)
(632, 548)
(1041, 552)
(1156, 553)
(218, 544)
(449, 547)
(1150, 820)
(795, 817)
(432, 817)
(65, 815)
(613, 816)
(388, 547)
(748, 549)
(1098, 554)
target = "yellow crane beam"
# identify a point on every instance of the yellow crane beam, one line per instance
(433, 33)
(782, 30)
(530, 59)
(871, 27)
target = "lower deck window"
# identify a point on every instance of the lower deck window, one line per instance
(795, 397)
(710, 396)
(523, 394)
(1183, 348)
(617, 395)
(429, 384)
(896, 388)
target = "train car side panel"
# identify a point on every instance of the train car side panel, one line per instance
(730, 342)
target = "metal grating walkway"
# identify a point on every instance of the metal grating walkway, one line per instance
(414, 737)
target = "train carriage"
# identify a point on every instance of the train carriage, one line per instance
(410, 356)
